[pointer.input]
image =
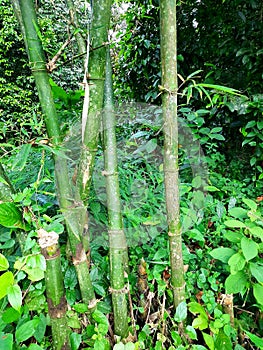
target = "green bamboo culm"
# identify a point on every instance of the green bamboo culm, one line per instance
(73, 210)
(100, 21)
(168, 32)
(57, 305)
(117, 240)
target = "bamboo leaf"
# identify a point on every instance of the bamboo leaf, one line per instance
(21, 157)
(224, 89)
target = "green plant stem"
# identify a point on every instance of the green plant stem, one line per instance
(74, 21)
(171, 168)
(72, 210)
(118, 245)
(101, 13)
(57, 305)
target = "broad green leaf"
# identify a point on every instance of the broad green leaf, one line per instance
(80, 308)
(235, 223)
(256, 340)
(26, 330)
(222, 254)
(10, 315)
(211, 189)
(256, 231)
(21, 157)
(102, 344)
(209, 341)
(10, 216)
(181, 312)
(251, 204)
(34, 347)
(196, 308)
(256, 271)
(223, 342)
(217, 137)
(236, 283)
(14, 296)
(6, 341)
(200, 322)
(191, 332)
(234, 237)
(119, 346)
(4, 264)
(75, 340)
(6, 280)
(249, 248)
(102, 321)
(238, 213)
(160, 254)
(197, 181)
(258, 293)
(236, 263)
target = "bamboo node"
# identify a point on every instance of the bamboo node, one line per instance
(181, 288)
(47, 239)
(123, 290)
(106, 173)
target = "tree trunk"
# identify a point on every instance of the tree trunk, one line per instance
(118, 246)
(74, 211)
(171, 167)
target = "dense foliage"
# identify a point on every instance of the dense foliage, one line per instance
(220, 171)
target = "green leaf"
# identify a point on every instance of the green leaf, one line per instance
(238, 213)
(80, 308)
(4, 264)
(14, 296)
(235, 223)
(6, 341)
(249, 248)
(222, 254)
(236, 283)
(119, 346)
(236, 263)
(6, 280)
(191, 332)
(41, 328)
(10, 216)
(75, 340)
(217, 137)
(258, 293)
(26, 330)
(223, 342)
(234, 237)
(102, 344)
(200, 322)
(220, 88)
(256, 231)
(35, 347)
(160, 254)
(102, 321)
(21, 157)
(256, 271)
(181, 312)
(196, 308)
(10, 315)
(211, 189)
(251, 204)
(197, 181)
(209, 341)
(255, 339)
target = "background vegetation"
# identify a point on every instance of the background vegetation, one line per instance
(221, 191)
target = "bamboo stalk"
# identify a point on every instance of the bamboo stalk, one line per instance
(57, 305)
(101, 13)
(73, 210)
(118, 246)
(171, 167)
